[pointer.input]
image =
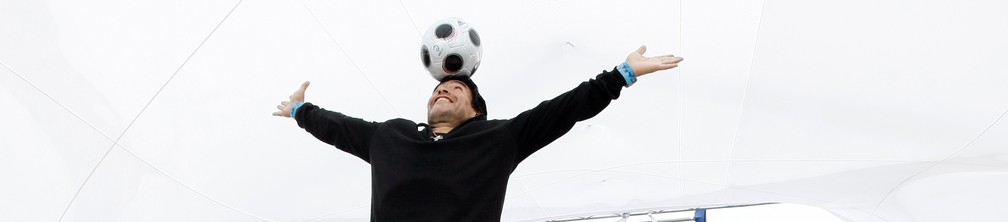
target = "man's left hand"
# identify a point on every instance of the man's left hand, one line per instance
(643, 65)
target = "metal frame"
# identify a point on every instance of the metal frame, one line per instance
(649, 212)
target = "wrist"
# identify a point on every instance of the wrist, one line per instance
(628, 74)
(294, 108)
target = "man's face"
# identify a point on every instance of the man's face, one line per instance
(450, 101)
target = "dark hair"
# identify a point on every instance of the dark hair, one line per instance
(477, 100)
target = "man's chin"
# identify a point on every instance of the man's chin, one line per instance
(441, 109)
(435, 115)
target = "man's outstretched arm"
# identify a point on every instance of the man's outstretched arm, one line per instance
(539, 126)
(349, 134)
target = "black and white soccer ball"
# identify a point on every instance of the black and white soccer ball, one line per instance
(450, 47)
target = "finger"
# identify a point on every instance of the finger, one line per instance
(280, 107)
(642, 49)
(285, 103)
(277, 113)
(672, 59)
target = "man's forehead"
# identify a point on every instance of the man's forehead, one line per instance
(455, 81)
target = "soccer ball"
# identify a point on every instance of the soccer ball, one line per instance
(450, 47)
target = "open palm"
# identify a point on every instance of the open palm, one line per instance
(643, 65)
(284, 109)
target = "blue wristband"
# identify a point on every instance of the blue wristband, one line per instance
(295, 107)
(628, 74)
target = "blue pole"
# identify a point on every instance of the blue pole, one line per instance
(700, 215)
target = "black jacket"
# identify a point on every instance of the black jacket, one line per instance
(463, 176)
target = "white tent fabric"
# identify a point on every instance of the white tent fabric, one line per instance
(119, 110)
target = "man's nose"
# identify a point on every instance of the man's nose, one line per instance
(442, 91)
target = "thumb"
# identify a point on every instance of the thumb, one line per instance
(299, 94)
(304, 87)
(641, 50)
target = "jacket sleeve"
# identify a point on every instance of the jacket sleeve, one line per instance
(346, 133)
(539, 126)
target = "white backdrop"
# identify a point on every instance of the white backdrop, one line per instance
(120, 110)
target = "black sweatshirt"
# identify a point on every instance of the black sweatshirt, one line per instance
(463, 176)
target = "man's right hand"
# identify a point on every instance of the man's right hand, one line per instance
(284, 109)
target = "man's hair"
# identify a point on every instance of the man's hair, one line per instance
(477, 100)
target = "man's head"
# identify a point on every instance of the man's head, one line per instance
(455, 100)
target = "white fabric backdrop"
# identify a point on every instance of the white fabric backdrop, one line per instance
(120, 110)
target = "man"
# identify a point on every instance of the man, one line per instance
(456, 167)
